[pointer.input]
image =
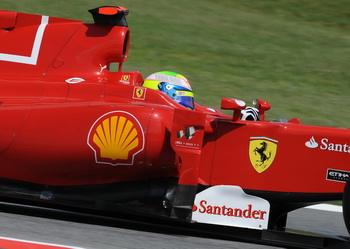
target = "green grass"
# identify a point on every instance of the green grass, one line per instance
(294, 54)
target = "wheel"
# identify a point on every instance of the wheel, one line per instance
(346, 205)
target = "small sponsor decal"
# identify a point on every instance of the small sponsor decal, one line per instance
(139, 93)
(312, 144)
(103, 67)
(262, 152)
(230, 206)
(75, 80)
(187, 132)
(184, 136)
(337, 175)
(188, 145)
(327, 144)
(116, 137)
(125, 79)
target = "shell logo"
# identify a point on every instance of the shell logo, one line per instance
(116, 137)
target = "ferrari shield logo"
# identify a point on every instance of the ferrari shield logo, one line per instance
(262, 152)
(125, 79)
(139, 93)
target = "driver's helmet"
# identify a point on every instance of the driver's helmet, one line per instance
(174, 85)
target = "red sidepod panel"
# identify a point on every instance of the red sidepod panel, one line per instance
(79, 143)
(280, 157)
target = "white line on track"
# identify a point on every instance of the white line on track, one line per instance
(327, 207)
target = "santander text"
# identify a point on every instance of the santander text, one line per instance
(326, 145)
(248, 213)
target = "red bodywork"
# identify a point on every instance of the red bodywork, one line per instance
(67, 120)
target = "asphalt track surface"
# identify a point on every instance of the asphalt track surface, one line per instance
(90, 232)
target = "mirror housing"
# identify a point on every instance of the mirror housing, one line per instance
(262, 106)
(236, 105)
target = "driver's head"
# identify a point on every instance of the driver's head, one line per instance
(174, 85)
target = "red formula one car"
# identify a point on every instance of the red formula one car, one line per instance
(75, 133)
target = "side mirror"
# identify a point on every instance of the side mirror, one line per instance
(262, 106)
(236, 105)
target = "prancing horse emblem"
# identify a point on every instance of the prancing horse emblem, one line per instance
(262, 152)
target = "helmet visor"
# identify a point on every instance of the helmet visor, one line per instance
(181, 95)
(186, 101)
